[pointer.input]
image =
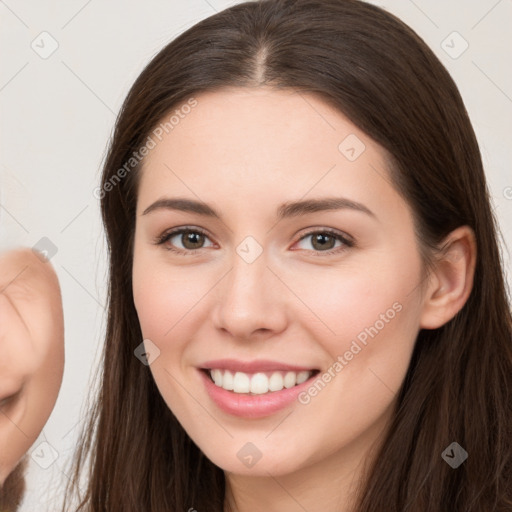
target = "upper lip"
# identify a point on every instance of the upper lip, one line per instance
(259, 365)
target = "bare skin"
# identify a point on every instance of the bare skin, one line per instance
(32, 346)
(245, 152)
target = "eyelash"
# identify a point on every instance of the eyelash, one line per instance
(348, 243)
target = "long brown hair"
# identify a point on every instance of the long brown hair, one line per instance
(13, 489)
(383, 77)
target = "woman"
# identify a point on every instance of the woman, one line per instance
(248, 368)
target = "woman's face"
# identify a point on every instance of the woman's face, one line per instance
(326, 287)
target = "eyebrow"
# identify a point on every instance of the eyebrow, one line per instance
(286, 210)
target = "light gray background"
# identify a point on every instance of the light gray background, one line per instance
(57, 114)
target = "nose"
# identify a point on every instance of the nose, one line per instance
(251, 300)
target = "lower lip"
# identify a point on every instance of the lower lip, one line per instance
(252, 406)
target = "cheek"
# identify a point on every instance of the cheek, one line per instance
(162, 298)
(366, 320)
(346, 300)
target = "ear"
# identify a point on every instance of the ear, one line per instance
(451, 279)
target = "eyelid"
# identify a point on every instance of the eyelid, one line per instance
(166, 235)
(319, 229)
(347, 240)
(176, 231)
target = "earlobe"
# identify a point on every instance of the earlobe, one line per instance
(451, 279)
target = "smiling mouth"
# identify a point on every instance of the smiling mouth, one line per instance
(257, 383)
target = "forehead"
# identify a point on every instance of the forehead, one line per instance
(248, 143)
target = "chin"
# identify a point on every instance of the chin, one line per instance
(248, 460)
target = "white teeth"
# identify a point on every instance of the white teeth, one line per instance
(275, 382)
(302, 377)
(227, 380)
(217, 377)
(290, 379)
(258, 383)
(241, 383)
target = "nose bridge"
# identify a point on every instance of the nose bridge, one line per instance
(249, 299)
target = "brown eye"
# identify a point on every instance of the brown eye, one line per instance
(190, 239)
(323, 242)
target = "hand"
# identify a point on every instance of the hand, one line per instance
(32, 351)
